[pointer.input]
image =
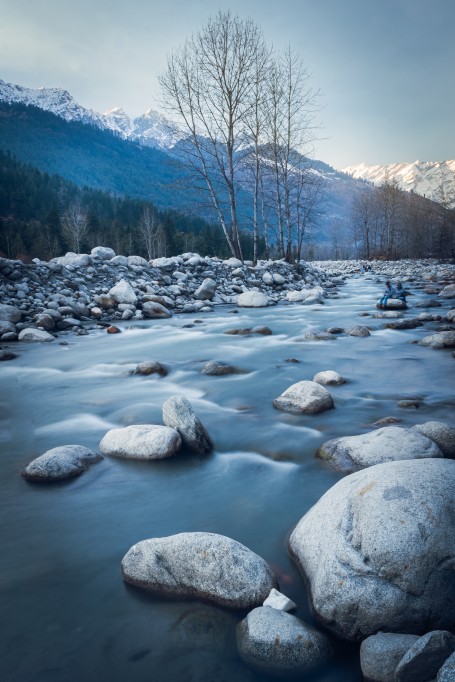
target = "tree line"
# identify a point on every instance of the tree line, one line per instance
(387, 222)
(43, 216)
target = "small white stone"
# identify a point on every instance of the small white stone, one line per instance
(277, 600)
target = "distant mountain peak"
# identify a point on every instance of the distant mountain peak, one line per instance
(432, 179)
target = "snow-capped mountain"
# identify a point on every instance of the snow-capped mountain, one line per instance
(432, 179)
(56, 100)
(150, 129)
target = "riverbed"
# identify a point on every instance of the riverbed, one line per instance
(68, 616)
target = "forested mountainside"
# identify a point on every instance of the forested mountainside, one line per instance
(33, 207)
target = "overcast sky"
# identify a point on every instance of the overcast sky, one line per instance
(386, 68)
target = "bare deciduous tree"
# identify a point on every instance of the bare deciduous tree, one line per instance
(150, 230)
(74, 226)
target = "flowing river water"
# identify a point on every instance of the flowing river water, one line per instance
(67, 614)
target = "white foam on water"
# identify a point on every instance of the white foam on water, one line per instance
(75, 425)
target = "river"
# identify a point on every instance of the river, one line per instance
(67, 614)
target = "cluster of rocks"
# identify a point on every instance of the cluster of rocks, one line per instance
(79, 291)
(428, 270)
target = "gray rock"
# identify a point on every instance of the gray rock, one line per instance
(390, 443)
(277, 600)
(394, 304)
(155, 311)
(305, 397)
(66, 461)
(448, 291)
(279, 644)
(319, 335)
(206, 291)
(442, 434)
(32, 334)
(201, 566)
(424, 658)
(6, 327)
(146, 368)
(381, 653)
(141, 441)
(358, 330)
(178, 414)
(218, 368)
(122, 292)
(377, 555)
(103, 252)
(439, 340)
(447, 671)
(9, 313)
(329, 378)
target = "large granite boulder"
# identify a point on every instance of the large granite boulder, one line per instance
(141, 441)
(378, 550)
(387, 444)
(65, 461)
(252, 299)
(440, 433)
(279, 644)
(305, 397)
(201, 566)
(393, 304)
(381, 653)
(178, 414)
(123, 292)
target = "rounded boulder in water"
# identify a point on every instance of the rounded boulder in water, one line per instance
(200, 566)
(378, 550)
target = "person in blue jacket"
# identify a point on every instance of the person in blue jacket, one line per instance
(400, 292)
(388, 293)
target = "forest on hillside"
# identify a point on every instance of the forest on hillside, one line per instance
(43, 216)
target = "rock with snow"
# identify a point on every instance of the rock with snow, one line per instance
(440, 433)
(178, 414)
(103, 252)
(65, 461)
(375, 553)
(390, 443)
(307, 296)
(141, 441)
(233, 262)
(252, 299)
(304, 397)
(199, 566)
(31, 334)
(425, 656)
(329, 378)
(123, 292)
(381, 653)
(137, 261)
(279, 644)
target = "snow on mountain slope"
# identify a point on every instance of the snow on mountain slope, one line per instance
(433, 179)
(55, 100)
(151, 129)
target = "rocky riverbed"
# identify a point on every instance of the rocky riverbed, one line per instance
(228, 442)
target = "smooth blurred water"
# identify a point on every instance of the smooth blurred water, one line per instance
(67, 615)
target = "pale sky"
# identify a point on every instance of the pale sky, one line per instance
(386, 68)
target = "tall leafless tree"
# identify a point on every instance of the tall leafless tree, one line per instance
(208, 87)
(74, 226)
